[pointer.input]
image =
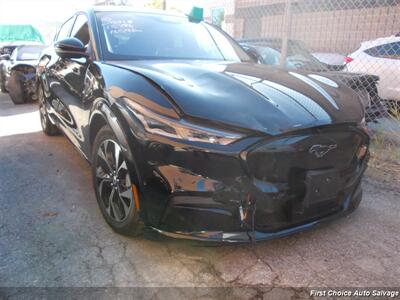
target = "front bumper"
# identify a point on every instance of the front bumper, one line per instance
(248, 236)
(253, 189)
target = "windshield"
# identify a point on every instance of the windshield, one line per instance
(130, 35)
(297, 57)
(29, 52)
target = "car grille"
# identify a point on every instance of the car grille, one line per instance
(284, 163)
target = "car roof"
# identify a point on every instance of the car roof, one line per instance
(379, 41)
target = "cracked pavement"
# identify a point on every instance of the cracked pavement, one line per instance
(52, 233)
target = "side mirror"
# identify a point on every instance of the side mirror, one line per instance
(5, 57)
(70, 48)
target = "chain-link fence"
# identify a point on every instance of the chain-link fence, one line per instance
(334, 37)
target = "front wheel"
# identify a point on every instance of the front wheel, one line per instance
(47, 127)
(116, 195)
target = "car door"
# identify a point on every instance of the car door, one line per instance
(55, 85)
(77, 78)
(72, 78)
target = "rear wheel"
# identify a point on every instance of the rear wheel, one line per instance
(116, 195)
(47, 127)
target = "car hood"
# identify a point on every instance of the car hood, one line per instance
(252, 96)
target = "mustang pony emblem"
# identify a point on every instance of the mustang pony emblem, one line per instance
(320, 150)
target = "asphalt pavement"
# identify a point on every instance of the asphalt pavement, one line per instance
(52, 233)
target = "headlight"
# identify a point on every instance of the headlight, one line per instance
(180, 129)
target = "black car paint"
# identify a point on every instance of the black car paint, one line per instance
(206, 191)
(355, 81)
(269, 106)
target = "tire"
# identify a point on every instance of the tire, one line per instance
(15, 89)
(47, 127)
(113, 186)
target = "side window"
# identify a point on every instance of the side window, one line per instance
(372, 51)
(80, 30)
(65, 29)
(391, 50)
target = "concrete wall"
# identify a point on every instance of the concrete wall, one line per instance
(322, 29)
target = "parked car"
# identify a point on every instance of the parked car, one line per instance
(380, 57)
(268, 51)
(19, 73)
(12, 36)
(188, 136)
(5, 54)
(333, 61)
(6, 51)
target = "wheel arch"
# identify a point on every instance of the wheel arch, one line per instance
(96, 123)
(103, 115)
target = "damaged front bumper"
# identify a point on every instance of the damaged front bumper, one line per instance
(257, 190)
(248, 236)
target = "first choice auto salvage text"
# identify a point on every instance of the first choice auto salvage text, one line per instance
(355, 293)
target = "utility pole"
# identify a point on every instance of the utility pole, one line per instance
(164, 5)
(286, 33)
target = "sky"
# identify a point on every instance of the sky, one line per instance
(48, 15)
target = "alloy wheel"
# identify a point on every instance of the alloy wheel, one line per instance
(113, 181)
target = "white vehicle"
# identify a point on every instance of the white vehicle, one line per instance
(379, 57)
(333, 61)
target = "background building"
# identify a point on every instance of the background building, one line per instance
(324, 25)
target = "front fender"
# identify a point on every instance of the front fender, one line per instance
(103, 114)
